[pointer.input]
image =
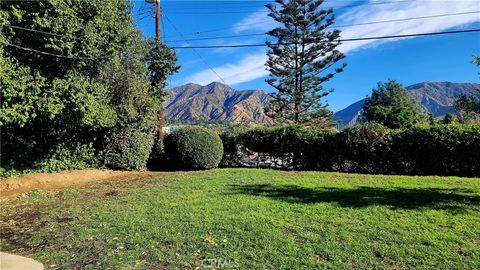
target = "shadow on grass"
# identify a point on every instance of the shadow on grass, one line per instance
(405, 198)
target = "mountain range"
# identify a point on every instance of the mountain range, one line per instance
(437, 98)
(217, 102)
(220, 102)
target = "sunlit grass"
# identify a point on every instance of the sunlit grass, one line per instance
(251, 219)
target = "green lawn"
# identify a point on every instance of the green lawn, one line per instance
(251, 219)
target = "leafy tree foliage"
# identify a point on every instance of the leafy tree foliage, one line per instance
(21, 89)
(468, 106)
(301, 60)
(161, 62)
(90, 86)
(392, 106)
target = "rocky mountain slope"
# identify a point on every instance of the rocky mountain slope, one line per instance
(436, 97)
(217, 102)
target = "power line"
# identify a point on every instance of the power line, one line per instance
(205, 6)
(218, 37)
(46, 33)
(266, 11)
(193, 49)
(214, 3)
(40, 31)
(163, 28)
(340, 40)
(246, 24)
(228, 3)
(333, 26)
(55, 55)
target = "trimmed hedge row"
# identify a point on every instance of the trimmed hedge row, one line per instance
(369, 148)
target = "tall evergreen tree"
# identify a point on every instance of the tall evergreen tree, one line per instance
(303, 57)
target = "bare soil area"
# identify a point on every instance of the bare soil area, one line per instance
(58, 180)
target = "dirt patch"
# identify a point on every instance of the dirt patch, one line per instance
(53, 181)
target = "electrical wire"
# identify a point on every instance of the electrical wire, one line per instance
(41, 32)
(193, 49)
(214, 3)
(55, 55)
(333, 26)
(340, 40)
(266, 11)
(246, 24)
(233, 4)
(233, 36)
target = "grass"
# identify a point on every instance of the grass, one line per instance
(251, 219)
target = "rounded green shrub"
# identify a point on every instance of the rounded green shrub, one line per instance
(194, 148)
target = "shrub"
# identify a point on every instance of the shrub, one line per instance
(319, 150)
(438, 150)
(282, 146)
(128, 149)
(8, 172)
(363, 148)
(194, 148)
(276, 141)
(78, 156)
(370, 148)
(232, 154)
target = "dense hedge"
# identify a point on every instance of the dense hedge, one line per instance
(369, 148)
(439, 150)
(194, 148)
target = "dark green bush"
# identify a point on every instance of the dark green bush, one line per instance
(232, 155)
(288, 146)
(369, 148)
(194, 148)
(127, 149)
(71, 156)
(437, 150)
(362, 148)
(280, 143)
(319, 150)
(78, 156)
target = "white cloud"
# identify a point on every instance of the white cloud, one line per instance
(257, 21)
(249, 68)
(260, 21)
(402, 10)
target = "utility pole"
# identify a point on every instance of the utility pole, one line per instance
(158, 16)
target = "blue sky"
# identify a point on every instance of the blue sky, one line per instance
(412, 60)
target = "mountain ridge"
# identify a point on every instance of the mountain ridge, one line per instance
(220, 102)
(217, 102)
(437, 98)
